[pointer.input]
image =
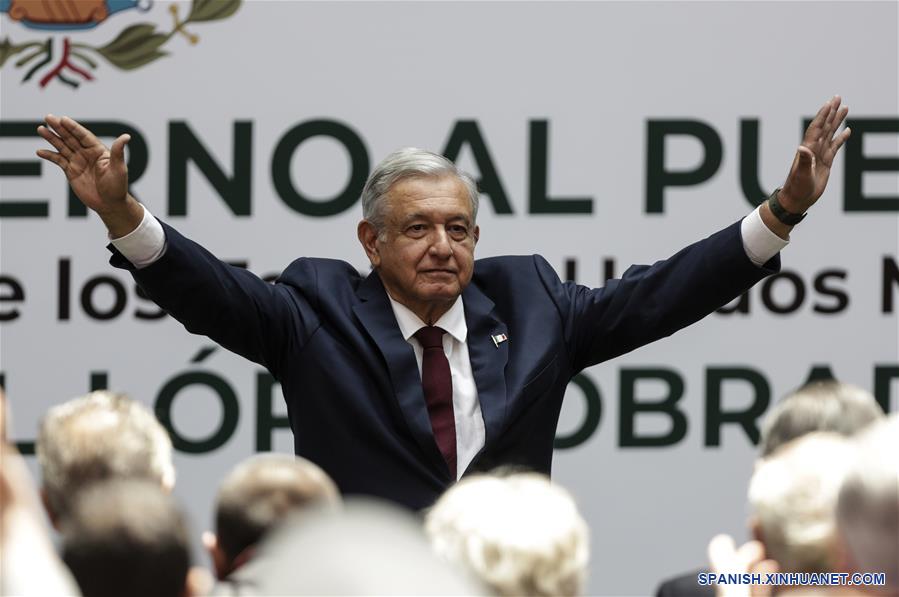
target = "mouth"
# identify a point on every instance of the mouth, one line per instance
(449, 272)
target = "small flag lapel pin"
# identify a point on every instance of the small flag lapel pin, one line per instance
(499, 339)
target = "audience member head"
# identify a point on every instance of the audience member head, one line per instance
(868, 511)
(793, 496)
(818, 406)
(127, 537)
(367, 547)
(258, 494)
(102, 435)
(518, 533)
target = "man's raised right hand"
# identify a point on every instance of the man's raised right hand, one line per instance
(97, 174)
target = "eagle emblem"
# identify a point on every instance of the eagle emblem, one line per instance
(71, 62)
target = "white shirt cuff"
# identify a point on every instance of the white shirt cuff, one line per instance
(759, 242)
(143, 245)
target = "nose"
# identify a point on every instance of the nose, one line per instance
(440, 245)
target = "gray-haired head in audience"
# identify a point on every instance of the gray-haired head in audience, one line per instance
(827, 405)
(255, 497)
(793, 496)
(102, 435)
(868, 511)
(367, 547)
(519, 533)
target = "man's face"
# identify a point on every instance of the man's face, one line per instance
(425, 256)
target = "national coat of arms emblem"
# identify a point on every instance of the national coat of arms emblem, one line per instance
(72, 62)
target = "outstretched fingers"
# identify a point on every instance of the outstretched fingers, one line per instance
(833, 115)
(818, 123)
(56, 127)
(822, 112)
(834, 124)
(84, 137)
(838, 143)
(54, 140)
(52, 156)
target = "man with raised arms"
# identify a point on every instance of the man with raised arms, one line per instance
(434, 364)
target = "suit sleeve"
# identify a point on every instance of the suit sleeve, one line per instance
(260, 321)
(651, 302)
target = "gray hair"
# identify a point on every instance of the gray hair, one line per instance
(407, 163)
(793, 495)
(520, 534)
(102, 435)
(868, 510)
(818, 406)
(262, 491)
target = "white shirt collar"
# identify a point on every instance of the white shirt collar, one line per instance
(453, 321)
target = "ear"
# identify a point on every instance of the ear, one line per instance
(218, 557)
(368, 237)
(477, 234)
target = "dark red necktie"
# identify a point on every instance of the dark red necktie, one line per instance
(437, 382)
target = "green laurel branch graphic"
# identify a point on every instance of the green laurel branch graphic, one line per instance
(8, 49)
(135, 46)
(211, 10)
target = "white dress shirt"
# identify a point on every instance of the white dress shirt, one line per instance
(146, 243)
(466, 408)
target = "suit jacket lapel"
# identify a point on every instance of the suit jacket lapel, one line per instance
(377, 317)
(488, 359)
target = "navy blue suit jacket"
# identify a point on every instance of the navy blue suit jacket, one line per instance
(351, 382)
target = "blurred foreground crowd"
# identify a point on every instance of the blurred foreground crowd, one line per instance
(824, 497)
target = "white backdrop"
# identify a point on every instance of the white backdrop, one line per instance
(401, 74)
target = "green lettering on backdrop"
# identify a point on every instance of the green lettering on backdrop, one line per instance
(841, 299)
(630, 407)
(235, 190)
(21, 208)
(819, 373)
(16, 295)
(284, 151)
(890, 281)
(749, 162)
(266, 419)
(539, 200)
(857, 164)
(716, 416)
(99, 380)
(226, 396)
(658, 178)
(740, 305)
(592, 414)
(467, 132)
(883, 376)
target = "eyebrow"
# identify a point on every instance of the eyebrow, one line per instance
(420, 216)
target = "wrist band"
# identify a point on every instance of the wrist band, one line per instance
(790, 219)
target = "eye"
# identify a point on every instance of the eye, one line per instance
(416, 230)
(458, 231)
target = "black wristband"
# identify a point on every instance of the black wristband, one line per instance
(790, 219)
